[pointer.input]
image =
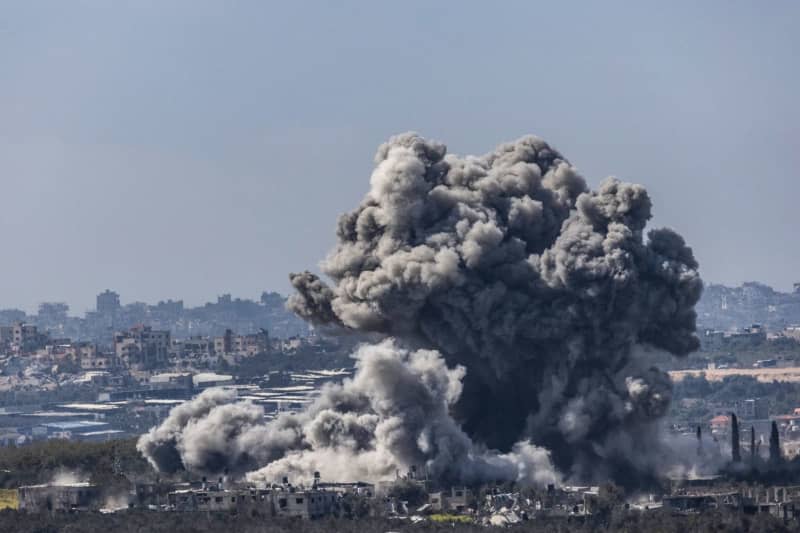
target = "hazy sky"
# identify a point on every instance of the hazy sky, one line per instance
(173, 149)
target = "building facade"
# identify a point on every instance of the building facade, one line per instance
(142, 347)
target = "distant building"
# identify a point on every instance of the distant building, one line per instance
(81, 350)
(291, 344)
(306, 504)
(244, 345)
(792, 332)
(272, 299)
(23, 338)
(53, 312)
(205, 380)
(720, 424)
(197, 345)
(697, 502)
(170, 307)
(88, 356)
(107, 302)
(224, 344)
(74, 429)
(254, 343)
(713, 339)
(456, 500)
(755, 333)
(142, 347)
(753, 409)
(172, 380)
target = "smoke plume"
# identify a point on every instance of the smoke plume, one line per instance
(518, 304)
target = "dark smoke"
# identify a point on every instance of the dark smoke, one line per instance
(547, 294)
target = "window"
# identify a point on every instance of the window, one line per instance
(299, 500)
(282, 503)
(218, 499)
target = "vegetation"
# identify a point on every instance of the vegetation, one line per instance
(138, 521)
(408, 491)
(774, 445)
(745, 352)
(735, 453)
(69, 365)
(105, 463)
(784, 397)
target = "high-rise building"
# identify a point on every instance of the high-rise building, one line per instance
(107, 302)
(53, 312)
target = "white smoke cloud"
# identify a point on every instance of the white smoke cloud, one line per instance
(392, 415)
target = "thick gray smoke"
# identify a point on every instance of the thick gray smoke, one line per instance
(391, 416)
(521, 302)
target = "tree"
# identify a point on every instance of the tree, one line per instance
(609, 497)
(699, 442)
(736, 455)
(408, 491)
(774, 444)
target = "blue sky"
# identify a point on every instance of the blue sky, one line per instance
(184, 149)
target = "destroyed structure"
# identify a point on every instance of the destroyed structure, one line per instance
(59, 497)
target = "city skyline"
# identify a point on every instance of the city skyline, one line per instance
(125, 300)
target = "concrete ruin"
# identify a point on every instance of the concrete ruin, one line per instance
(59, 498)
(282, 500)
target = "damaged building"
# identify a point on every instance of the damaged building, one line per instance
(283, 500)
(59, 498)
